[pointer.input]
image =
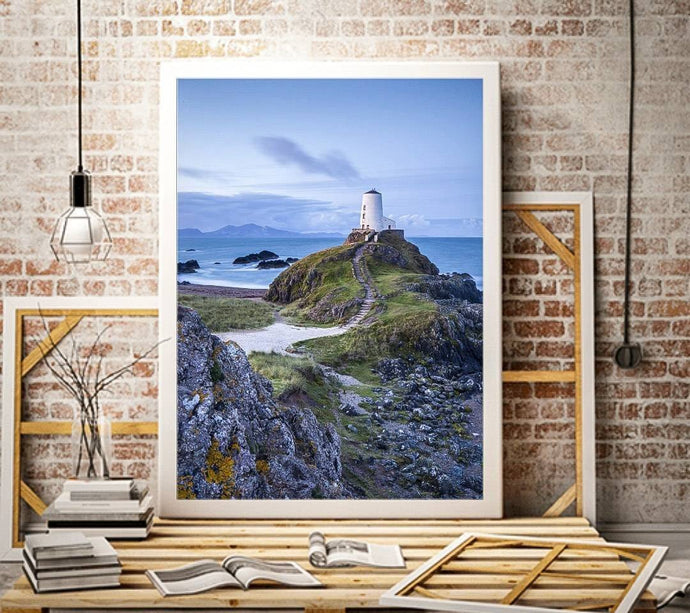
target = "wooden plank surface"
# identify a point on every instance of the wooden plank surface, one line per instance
(488, 574)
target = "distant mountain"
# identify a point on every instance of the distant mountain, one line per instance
(189, 232)
(252, 230)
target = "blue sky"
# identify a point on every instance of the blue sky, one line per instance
(297, 154)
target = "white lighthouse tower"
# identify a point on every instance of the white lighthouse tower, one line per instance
(372, 213)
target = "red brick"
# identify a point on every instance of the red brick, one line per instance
(520, 308)
(669, 308)
(539, 329)
(218, 7)
(520, 266)
(572, 27)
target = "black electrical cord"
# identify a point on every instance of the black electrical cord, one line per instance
(628, 355)
(81, 166)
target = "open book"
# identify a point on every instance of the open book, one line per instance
(234, 571)
(667, 588)
(346, 552)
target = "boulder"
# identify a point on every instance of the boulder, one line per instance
(268, 264)
(448, 287)
(187, 267)
(256, 257)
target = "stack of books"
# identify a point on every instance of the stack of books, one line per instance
(70, 561)
(114, 508)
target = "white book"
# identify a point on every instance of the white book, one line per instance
(89, 485)
(234, 571)
(68, 543)
(347, 552)
(102, 554)
(102, 580)
(64, 504)
(667, 588)
(88, 571)
(113, 533)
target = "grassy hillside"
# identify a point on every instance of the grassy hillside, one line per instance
(320, 288)
(401, 317)
(223, 314)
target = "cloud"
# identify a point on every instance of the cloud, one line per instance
(209, 212)
(287, 152)
(414, 220)
(203, 173)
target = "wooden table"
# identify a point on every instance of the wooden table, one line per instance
(173, 543)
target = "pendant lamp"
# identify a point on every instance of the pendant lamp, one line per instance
(81, 234)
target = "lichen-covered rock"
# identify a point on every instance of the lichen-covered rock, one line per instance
(233, 441)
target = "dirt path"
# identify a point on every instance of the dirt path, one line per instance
(280, 335)
(361, 273)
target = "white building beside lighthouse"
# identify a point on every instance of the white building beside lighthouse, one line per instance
(372, 213)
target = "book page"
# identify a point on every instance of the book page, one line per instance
(191, 578)
(348, 552)
(317, 549)
(247, 570)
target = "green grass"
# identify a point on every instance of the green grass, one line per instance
(403, 318)
(319, 281)
(298, 376)
(223, 314)
(387, 278)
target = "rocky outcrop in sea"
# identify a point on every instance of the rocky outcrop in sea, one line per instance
(187, 267)
(234, 441)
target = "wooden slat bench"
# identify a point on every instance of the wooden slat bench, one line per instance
(490, 573)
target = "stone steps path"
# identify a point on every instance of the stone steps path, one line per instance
(362, 275)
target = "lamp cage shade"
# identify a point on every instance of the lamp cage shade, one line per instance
(80, 236)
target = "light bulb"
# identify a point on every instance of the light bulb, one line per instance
(80, 234)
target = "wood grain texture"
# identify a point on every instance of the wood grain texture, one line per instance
(64, 428)
(539, 376)
(484, 574)
(550, 239)
(563, 502)
(32, 499)
(46, 345)
(533, 575)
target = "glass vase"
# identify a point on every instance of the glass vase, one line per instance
(91, 447)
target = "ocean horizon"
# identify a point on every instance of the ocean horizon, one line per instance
(215, 257)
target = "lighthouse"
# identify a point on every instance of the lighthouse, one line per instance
(372, 213)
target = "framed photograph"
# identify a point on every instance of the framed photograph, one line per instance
(330, 268)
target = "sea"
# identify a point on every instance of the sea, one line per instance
(215, 257)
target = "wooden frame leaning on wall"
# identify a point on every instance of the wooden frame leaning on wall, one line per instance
(17, 365)
(579, 259)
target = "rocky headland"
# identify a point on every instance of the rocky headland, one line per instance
(389, 406)
(409, 413)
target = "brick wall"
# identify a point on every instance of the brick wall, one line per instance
(564, 71)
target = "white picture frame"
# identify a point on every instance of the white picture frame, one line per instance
(491, 504)
(653, 556)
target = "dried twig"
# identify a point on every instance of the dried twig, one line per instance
(82, 376)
